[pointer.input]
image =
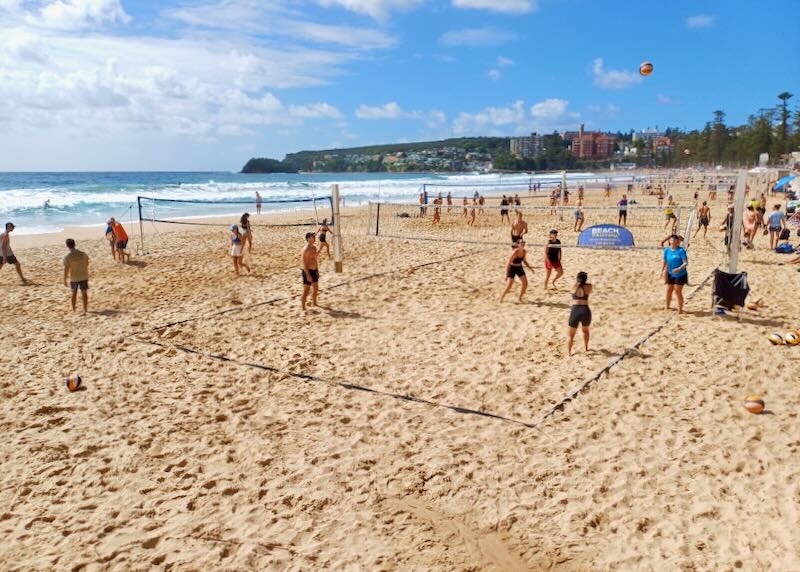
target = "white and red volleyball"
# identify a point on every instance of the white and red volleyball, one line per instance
(754, 404)
(73, 381)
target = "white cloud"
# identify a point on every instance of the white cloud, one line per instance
(608, 108)
(315, 110)
(613, 79)
(389, 110)
(476, 37)
(392, 110)
(666, 100)
(377, 9)
(504, 62)
(504, 6)
(494, 74)
(699, 21)
(542, 116)
(79, 14)
(490, 117)
(251, 17)
(549, 108)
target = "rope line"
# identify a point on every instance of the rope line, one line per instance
(343, 385)
(292, 296)
(570, 396)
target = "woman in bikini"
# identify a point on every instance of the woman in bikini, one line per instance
(514, 267)
(246, 231)
(580, 313)
(323, 231)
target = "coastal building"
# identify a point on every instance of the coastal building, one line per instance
(593, 145)
(647, 135)
(527, 147)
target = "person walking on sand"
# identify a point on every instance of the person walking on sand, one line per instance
(237, 248)
(518, 230)
(750, 226)
(247, 232)
(465, 203)
(76, 270)
(308, 259)
(514, 268)
(674, 270)
(112, 240)
(449, 201)
(122, 239)
(258, 203)
(6, 254)
(580, 313)
(323, 231)
(472, 212)
(579, 216)
(776, 223)
(552, 258)
(703, 218)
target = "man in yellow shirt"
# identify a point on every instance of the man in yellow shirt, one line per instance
(76, 268)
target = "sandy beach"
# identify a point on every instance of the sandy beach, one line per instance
(411, 422)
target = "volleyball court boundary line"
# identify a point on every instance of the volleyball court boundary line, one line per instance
(316, 379)
(573, 394)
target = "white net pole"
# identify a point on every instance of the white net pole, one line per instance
(337, 230)
(735, 240)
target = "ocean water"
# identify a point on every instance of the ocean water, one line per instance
(89, 199)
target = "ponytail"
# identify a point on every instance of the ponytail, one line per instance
(582, 278)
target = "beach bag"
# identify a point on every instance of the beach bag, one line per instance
(784, 248)
(784, 234)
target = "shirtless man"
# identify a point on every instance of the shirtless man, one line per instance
(6, 254)
(518, 230)
(308, 259)
(703, 218)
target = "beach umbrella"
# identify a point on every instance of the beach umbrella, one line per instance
(784, 181)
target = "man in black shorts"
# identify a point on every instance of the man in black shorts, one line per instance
(308, 259)
(6, 254)
(76, 269)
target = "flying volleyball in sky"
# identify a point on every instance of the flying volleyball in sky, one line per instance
(646, 68)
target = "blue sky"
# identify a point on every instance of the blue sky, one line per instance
(204, 85)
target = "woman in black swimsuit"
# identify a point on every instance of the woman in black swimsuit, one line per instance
(324, 229)
(580, 313)
(514, 268)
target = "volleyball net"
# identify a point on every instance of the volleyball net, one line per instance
(294, 212)
(491, 224)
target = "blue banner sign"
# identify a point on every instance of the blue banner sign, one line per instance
(606, 236)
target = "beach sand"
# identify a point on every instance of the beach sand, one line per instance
(406, 424)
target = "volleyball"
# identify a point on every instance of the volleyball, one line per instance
(754, 404)
(791, 338)
(646, 68)
(775, 339)
(73, 381)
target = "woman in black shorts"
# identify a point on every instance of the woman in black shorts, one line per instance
(323, 231)
(580, 313)
(514, 268)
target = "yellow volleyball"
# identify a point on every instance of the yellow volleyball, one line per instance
(754, 404)
(791, 338)
(775, 339)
